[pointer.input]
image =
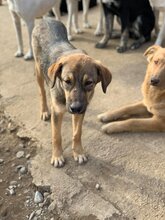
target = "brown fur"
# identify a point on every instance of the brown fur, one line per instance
(149, 114)
(65, 75)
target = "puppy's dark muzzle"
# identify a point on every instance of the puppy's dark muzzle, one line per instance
(154, 81)
(76, 108)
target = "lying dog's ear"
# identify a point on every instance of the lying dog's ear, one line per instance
(104, 75)
(149, 53)
(54, 71)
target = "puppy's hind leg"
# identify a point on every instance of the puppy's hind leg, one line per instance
(44, 108)
(17, 24)
(78, 152)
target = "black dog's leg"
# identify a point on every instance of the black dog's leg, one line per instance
(124, 16)
(145, 25)
(109, 19)
(137, 31)
(123, 42)
(137, 43)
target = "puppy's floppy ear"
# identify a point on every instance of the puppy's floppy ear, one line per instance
(149, 53)
(104, 75)
(54, 71)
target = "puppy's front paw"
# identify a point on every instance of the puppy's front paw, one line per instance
(57, 161)
(45, 116)
(80, 158)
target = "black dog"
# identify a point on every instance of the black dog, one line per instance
(136, 18)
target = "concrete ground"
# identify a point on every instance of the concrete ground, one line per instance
(130, 168)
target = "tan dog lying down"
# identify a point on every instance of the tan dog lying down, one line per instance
(151, 109)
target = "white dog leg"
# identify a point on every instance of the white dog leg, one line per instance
(99, 30)
(161, 35)
(69, 22)
(75, 17)
(56, 10)
(85, 14)
(17, 24)
(29, 54)
(156, 13)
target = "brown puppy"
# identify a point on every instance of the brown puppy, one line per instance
(72, 76)
(151, 109)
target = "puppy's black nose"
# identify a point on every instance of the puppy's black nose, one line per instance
(154, 81)
(76, 108)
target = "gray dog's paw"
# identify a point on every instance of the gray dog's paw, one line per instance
(100, 45)
(121, 49)
(135, 45)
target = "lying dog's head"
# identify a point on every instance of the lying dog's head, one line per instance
(156, 67)
(78, 74)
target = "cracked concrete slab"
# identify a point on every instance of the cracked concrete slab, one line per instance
(130, 168)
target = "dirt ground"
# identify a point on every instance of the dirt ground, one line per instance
(19, 204)
(129, 168)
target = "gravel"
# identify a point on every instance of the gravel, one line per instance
(38, 198)
(20, 154)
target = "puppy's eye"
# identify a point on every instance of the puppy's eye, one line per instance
(89, 83)
(68, 81)
(156, 61)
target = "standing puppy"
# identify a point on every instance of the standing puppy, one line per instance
(137, 19)
(72, 76)
(149, 114)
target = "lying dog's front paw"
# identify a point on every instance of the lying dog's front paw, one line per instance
(111, 128)
(80, 158)
(58, 161)
(121, 49)
(103, 118)
(45, 116)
